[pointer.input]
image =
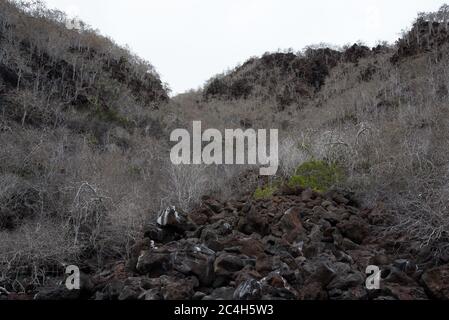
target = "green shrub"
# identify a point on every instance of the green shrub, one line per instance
(92, 140)
(135, 170)
(265, 192)
(316, 175)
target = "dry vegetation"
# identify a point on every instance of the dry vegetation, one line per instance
(381, 114)
(77, 128)
(84, 157)
(84, 127)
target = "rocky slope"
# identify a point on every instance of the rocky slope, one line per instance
(425, 36)
(52, 74)
(73, 105)
(300, 245)
(284, 78)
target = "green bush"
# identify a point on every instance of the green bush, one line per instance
(265, 192)
(316, 175)
(92, 140)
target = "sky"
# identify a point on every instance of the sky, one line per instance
(189, 41)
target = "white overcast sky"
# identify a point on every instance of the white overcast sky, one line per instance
(189, 41)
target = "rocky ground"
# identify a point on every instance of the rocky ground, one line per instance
(299, 245)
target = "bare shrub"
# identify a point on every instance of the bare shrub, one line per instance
(187, 184)
(87, 215)
(293, 151)
(18, 201)
(35, 252)
(390, 134)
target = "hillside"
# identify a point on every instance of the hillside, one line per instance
(71, 102)
(284, 78)
(86, 177)
(53, 74)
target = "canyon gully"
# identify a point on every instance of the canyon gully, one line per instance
(192, 150)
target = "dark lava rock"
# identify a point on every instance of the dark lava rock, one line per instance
(436, 282)
(227, 264)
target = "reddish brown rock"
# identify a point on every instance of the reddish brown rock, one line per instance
(355, 229)
(228, 264)
(154, 263)
(406, 293)
(436, 282)
(178, 289)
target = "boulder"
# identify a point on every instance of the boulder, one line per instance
(355, 229)
(248, 290)
(291, 220)
(178, 289)
(158, 234)
(250, 247)
(265, 264)
(323, 274)
(215, 205)
(307, 195)
(291, 226)
(154, 263)
(254, 222)
(436, 282)
(172, 219)
(405, 265)
(275, 286)
(227, 264)
(197, 260)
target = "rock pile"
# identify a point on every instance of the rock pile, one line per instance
(299, 245)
